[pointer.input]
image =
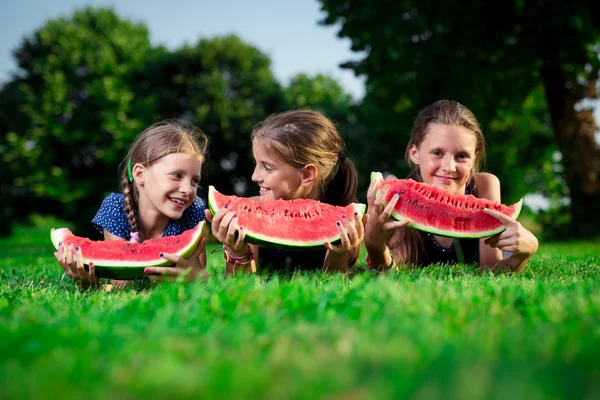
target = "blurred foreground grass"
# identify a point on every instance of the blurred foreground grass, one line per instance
(438, 332)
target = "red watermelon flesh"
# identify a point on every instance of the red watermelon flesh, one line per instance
(435, 210)
(120, 259)
(285, 224)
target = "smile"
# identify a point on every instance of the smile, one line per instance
(178, 201)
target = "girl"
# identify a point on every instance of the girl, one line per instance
(159, 179)
(446, 148)
(298, 154)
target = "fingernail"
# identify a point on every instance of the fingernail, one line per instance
(91, 264)
(60, 243)
(241, 227)
(235, 216)
(226, 206)
(355, 214)
(70, 244)
(161, 254)
(146, 269)
(326, 243)
(396, 196)
(343, 216)
(338, 223)
(77, 248)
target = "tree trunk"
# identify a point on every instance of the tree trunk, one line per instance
(574, 130)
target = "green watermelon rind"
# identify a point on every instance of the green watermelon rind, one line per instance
(113, 269)
(449, 233)
(273, 242)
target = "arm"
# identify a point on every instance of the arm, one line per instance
(517, 240)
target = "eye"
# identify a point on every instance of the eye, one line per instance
(267, 168)
(436, 152)
(463, 156)
(176, 175)
(195, 182)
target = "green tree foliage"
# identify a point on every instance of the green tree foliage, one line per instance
(224, 86)
(70, 113)
(496, 58)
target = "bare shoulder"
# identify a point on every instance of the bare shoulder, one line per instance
(488, 186)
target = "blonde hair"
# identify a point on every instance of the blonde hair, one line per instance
(302, 137)
(154, 143)
(407, 243)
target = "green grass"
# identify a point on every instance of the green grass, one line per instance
(433, 333)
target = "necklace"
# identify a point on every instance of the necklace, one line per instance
(438, 246)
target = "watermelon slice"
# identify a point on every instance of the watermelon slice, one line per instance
(119, 259)
(285, 224)
(435, 210)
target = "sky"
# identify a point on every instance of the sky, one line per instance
(286, 30)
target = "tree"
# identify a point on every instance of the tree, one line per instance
(490, 56)
(225, 87)
(70, 114)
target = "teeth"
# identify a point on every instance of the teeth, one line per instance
(178, 201)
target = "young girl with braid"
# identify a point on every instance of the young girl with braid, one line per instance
(159, 179)
(298, 154)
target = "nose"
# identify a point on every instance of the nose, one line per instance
(187, 187)
(255, 175)
(449, 164)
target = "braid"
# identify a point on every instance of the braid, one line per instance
(130, 203)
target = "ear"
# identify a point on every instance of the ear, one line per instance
(308, 175)
(413, 153)
(138, 171)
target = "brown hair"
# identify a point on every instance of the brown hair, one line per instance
(407, 243)
(302, 137)
(151, 145)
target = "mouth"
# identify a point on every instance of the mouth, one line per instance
(264, 190)
(178, 202)
(446, 179)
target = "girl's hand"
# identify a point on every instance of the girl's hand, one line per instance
(515, 239)
(190, 268)
(379, 227)
(352, 233)
(71, 261)
(225, 228)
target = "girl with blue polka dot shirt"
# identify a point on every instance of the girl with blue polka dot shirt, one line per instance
(159, 180)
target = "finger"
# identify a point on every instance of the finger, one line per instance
(208, 214)
(225, 224)
(492, 239)
(381, 195)
(172, 257)
(92, 271)
(217, 220)
(371, 191)
(344, 239)
(241, 238)
(387, 212)
(233, 228)
(505, 219)
(359, 226)
(79, 261)
(69, 257)
(351, 231)
(202, 252)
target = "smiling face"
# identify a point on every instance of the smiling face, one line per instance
(168, 186)
(446, 156)
(276, 178)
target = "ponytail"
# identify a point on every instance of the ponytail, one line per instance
(341, 189)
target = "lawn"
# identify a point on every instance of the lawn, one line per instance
(439, 332)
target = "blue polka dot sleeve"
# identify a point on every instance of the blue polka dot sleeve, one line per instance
(189, 219)
(112, 217)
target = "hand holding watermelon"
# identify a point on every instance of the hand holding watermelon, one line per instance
(71, 261)
(189, 268)
(515, 239)
(379, 226)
